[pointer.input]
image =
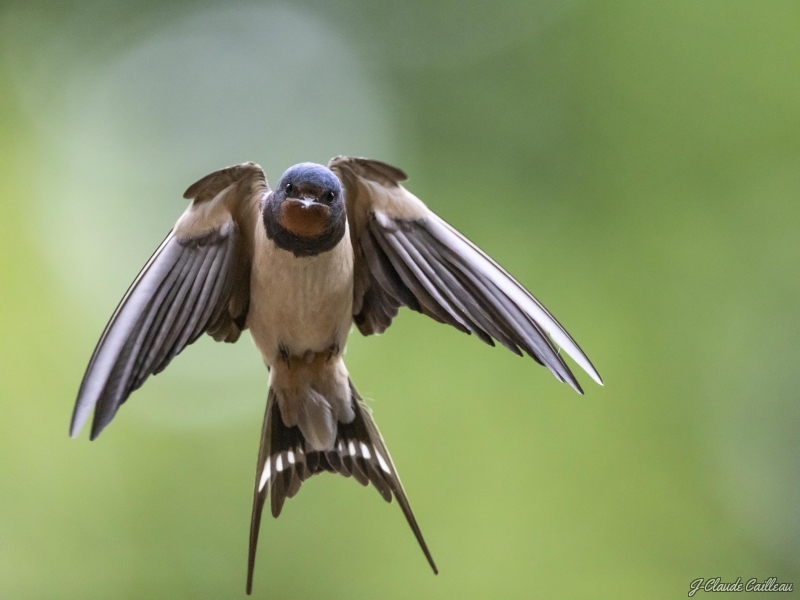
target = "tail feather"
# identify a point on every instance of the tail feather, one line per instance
(285, 461)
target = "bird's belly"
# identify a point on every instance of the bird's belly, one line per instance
(300, 304)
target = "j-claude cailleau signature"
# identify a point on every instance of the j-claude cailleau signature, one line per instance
(715, 584)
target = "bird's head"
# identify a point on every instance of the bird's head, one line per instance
(306, 214)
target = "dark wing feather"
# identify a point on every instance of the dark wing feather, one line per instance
(197, 281)
(407, 256)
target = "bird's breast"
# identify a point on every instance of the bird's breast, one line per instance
(300, 304)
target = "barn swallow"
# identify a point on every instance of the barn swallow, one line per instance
(298, 265)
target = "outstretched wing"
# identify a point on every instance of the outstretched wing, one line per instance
(407, 256)
(197, 281)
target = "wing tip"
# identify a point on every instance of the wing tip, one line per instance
(579, 356)
(591, 371)
(78, 419)
(98, 425)
(75, 430)
(77, 424)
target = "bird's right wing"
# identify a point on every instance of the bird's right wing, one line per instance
(198, 280)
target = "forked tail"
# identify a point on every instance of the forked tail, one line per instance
(285, 461)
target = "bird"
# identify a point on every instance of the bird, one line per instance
(330, 247)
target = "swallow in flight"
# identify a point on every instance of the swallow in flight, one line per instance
(298, 265)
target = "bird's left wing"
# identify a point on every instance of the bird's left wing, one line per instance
(198, 280)
(408, 256)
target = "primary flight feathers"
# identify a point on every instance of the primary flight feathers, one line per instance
(407, 256)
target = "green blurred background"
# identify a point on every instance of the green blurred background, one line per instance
(636, 165)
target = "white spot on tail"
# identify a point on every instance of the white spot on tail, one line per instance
(279, 463)
(352, 448)
(291, 457)
(264, 476)
(384, 466)
(365, 451)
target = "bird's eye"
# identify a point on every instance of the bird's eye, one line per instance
(289, 189)
(329, 197)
